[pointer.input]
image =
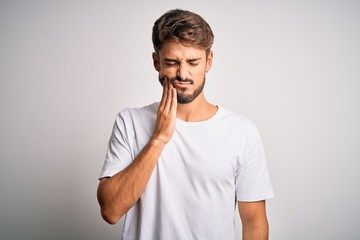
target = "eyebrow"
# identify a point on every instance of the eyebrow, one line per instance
(188, 60)
(194, 59)
(170, 60)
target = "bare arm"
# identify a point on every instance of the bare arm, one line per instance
(254, 221)
(116, 195)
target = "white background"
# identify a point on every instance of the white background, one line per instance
(68, 67)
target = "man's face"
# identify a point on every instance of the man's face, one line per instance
(185, 67)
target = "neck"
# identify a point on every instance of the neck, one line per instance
(198, 110)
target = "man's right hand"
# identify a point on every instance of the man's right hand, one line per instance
(120, 192)
(166, 115)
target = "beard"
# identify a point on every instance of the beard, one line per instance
(182, 97)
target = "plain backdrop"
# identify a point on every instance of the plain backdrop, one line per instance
(68, 67)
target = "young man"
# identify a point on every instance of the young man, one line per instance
(178, 168)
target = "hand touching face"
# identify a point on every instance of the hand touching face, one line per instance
(185, 67)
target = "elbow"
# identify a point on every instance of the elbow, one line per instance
(111, 211)
(111, 220)
(109, 214)
(110, 217)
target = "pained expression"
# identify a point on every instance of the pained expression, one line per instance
(185, 66)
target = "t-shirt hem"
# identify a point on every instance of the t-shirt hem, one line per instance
(254, 198)
(108, 173)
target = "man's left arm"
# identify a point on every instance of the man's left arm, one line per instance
(254, 221)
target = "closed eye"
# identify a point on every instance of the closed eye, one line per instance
(171, 62)
(194, 63)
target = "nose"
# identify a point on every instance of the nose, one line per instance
(182, 72)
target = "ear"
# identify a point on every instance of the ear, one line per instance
(156, 61)
(209, 61)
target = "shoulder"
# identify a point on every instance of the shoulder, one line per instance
(236, 120)
(146, 112)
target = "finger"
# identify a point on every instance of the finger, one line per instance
(174, 101)
(169, 95)
(164, 93)
(172, 98)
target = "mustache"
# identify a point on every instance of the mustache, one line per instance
(172, 80)
(181, 80)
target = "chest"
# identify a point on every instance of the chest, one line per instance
(200, 156)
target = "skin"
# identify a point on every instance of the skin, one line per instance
(182, 71)
(254, 221)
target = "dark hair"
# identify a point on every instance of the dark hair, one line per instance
(183, 26)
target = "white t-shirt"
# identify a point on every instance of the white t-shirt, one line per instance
(201, 174)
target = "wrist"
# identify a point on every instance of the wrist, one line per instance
(156, 142)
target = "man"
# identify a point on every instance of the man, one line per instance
(178, 168)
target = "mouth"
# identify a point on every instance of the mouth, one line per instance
(181, 84)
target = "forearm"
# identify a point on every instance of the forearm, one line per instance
(117, 194)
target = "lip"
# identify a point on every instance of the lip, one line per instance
(181, 83)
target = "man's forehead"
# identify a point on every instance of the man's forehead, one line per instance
(176, 50)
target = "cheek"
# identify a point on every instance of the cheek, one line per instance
(199, 73)
(167, 72)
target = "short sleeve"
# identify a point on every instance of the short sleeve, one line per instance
(252, 178)
(118, 155)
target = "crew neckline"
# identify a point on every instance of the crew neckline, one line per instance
(198, 123)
